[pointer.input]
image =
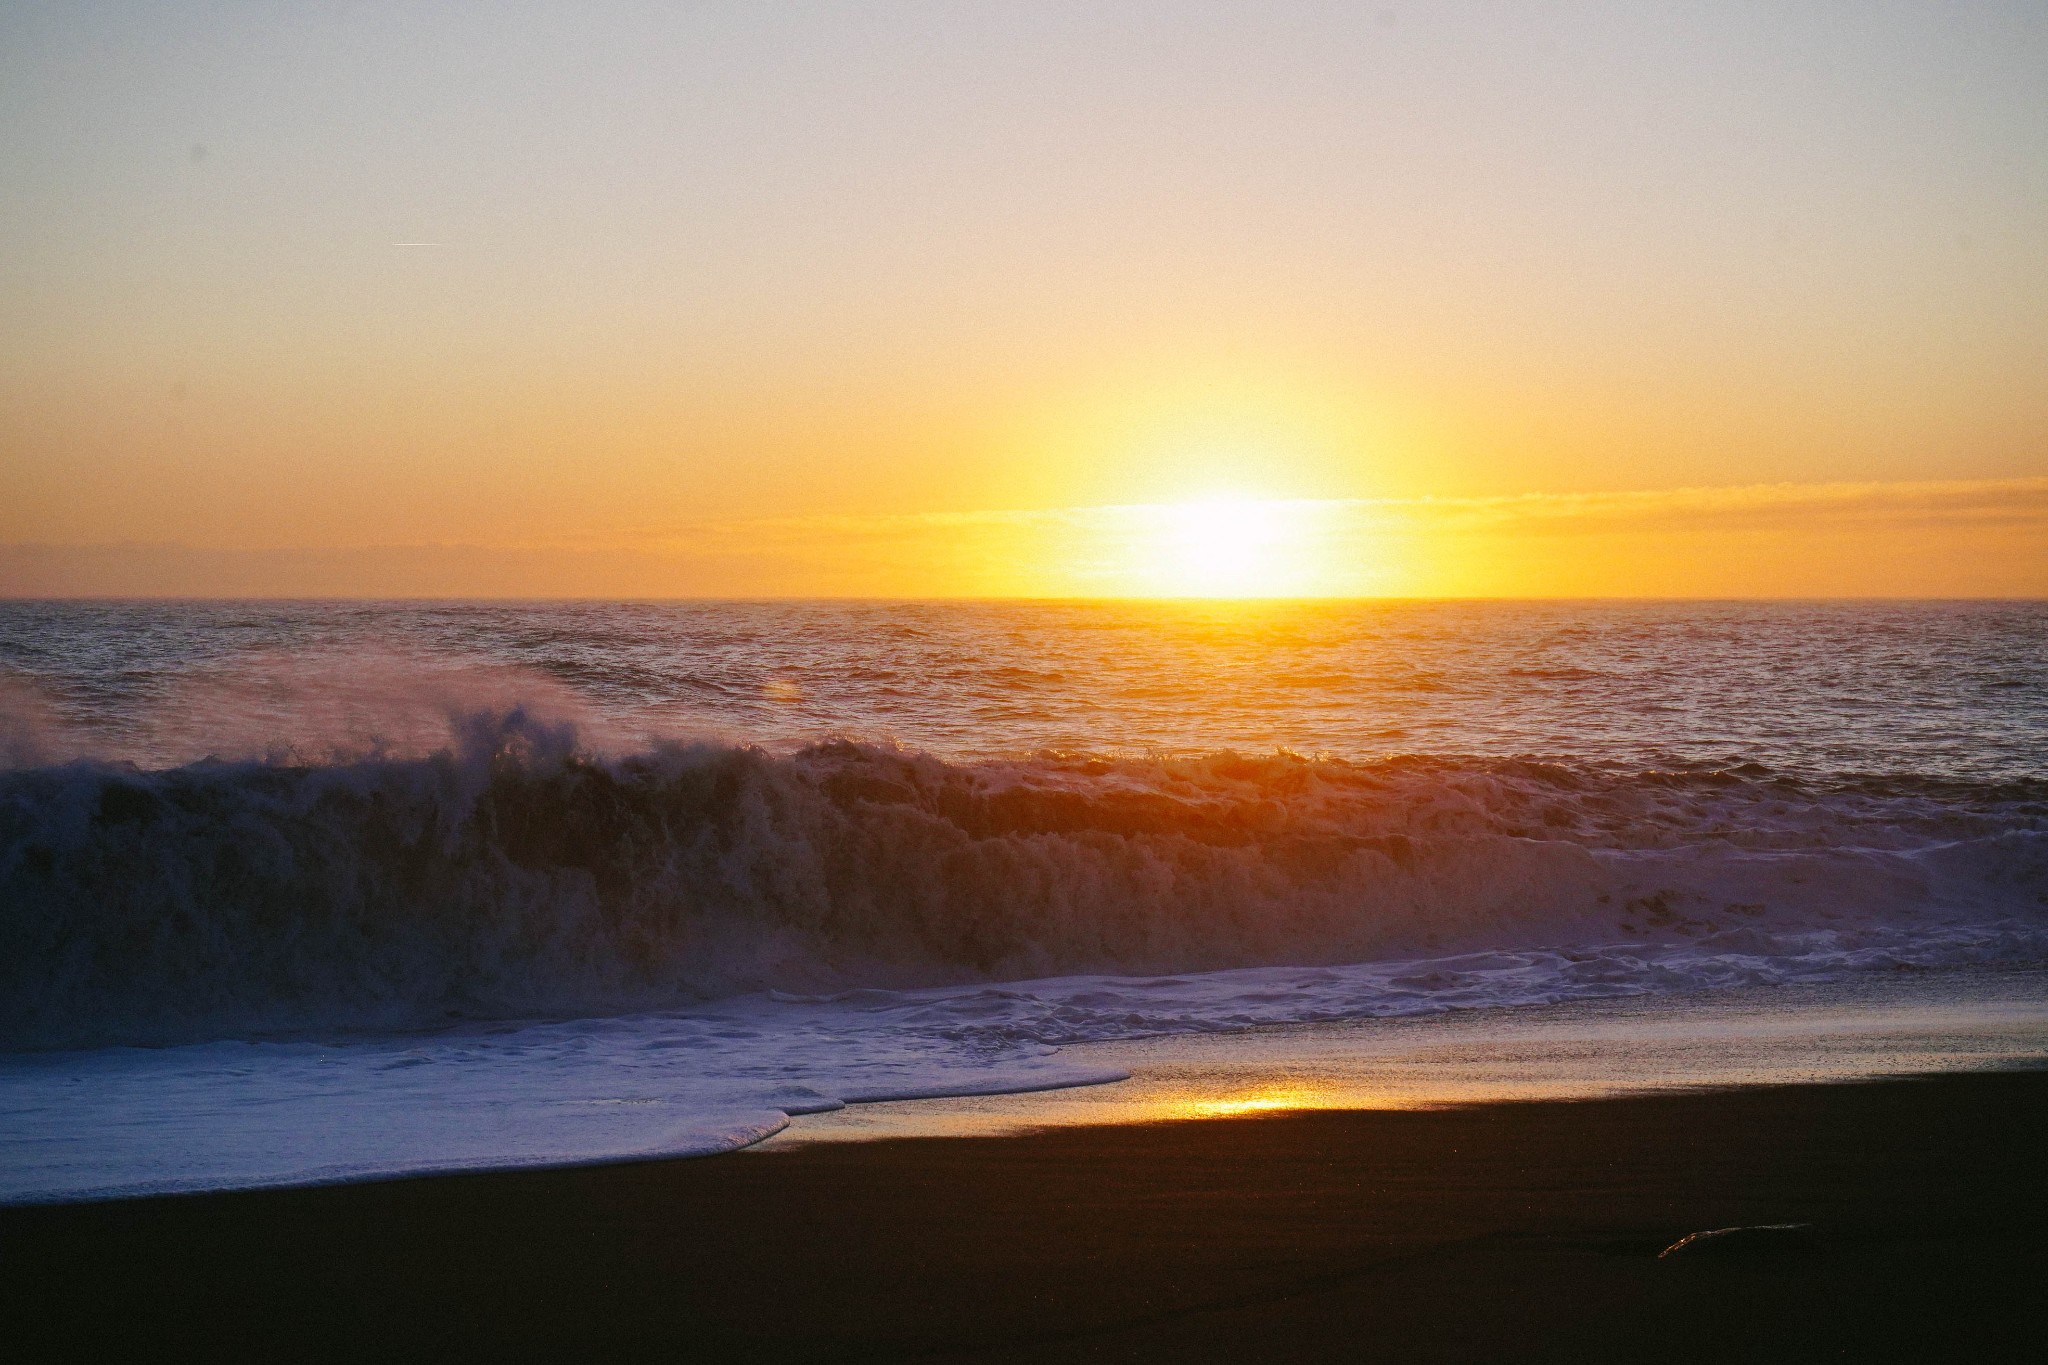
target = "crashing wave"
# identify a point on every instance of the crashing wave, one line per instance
(517, 874)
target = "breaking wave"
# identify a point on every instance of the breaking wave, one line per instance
(519, 873)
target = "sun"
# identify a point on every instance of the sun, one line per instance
(1230, 547)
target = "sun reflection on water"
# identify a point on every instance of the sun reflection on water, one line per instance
(1267, 1099)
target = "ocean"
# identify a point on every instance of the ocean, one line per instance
(302, 892)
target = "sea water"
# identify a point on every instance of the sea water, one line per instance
(303, 892)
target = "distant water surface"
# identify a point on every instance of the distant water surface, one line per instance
(1912, 688)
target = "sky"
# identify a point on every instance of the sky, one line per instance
(1024, 299)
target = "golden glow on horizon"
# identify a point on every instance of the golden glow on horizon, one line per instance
(838, 303)
(1982, 538)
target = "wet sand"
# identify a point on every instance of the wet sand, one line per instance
(1514, 1231)
(1865, 1027)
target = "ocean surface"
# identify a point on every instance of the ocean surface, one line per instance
(300, 892)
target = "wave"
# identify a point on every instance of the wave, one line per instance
(518, 873)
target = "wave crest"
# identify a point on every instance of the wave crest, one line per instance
(516, 873)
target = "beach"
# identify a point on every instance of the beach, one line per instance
(1526, 1230)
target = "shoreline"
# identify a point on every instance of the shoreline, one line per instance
(119, 1125)
(1518, 1230)
(1859, 1028)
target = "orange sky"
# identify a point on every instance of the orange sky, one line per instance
(913, 299)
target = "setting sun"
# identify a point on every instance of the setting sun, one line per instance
(1232, 547)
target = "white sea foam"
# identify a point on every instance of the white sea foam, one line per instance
(235, 1115)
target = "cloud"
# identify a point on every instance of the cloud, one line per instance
(1802, 507)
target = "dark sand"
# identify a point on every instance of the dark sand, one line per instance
(1505, 1232)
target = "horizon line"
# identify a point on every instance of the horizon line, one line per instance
(969, 599)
